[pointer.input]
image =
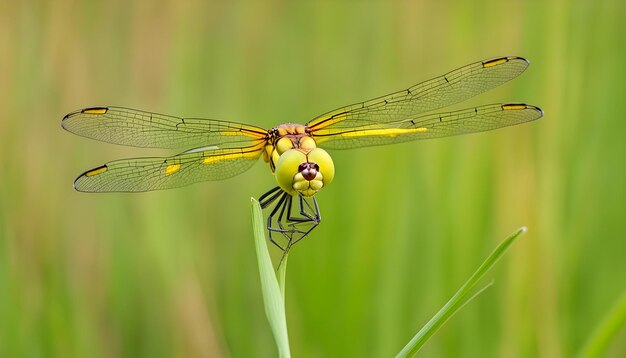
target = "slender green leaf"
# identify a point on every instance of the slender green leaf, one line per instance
(272, 293)
(606, 331)
(282, 272)
(459, 299)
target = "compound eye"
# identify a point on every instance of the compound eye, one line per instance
(323, 163)
(307, 143)
(286, 169)
(283, 145)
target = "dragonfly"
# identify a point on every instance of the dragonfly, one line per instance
(296, 153)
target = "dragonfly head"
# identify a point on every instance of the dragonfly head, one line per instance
(304, 171)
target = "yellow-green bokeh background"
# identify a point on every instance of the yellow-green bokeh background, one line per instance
(173, 273)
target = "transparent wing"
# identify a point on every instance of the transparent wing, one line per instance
(453, 87)
(144, 174)
(478, 119)
(146, 129)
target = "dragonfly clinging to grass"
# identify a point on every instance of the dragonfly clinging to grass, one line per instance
(294, 152)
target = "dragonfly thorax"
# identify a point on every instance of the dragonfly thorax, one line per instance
(284, 137)
(299, 166)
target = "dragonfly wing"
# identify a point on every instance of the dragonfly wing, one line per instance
(144, 174)
(477, 119)
(453, 87)
(136, 128)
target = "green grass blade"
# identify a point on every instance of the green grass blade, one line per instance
(606, 331)
(282, 272)
(272, 293)
(459, 299)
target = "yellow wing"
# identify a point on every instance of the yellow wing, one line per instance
(144, 174)
(453, 87)
(478, 119)
(137, 128)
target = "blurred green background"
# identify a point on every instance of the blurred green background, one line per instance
(173, 273)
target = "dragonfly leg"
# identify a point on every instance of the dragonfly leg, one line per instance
(282, 218)
(279, 206)
(309, 214)
(266, 199)
(274, 222)
(277, 221)
(287, 224)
